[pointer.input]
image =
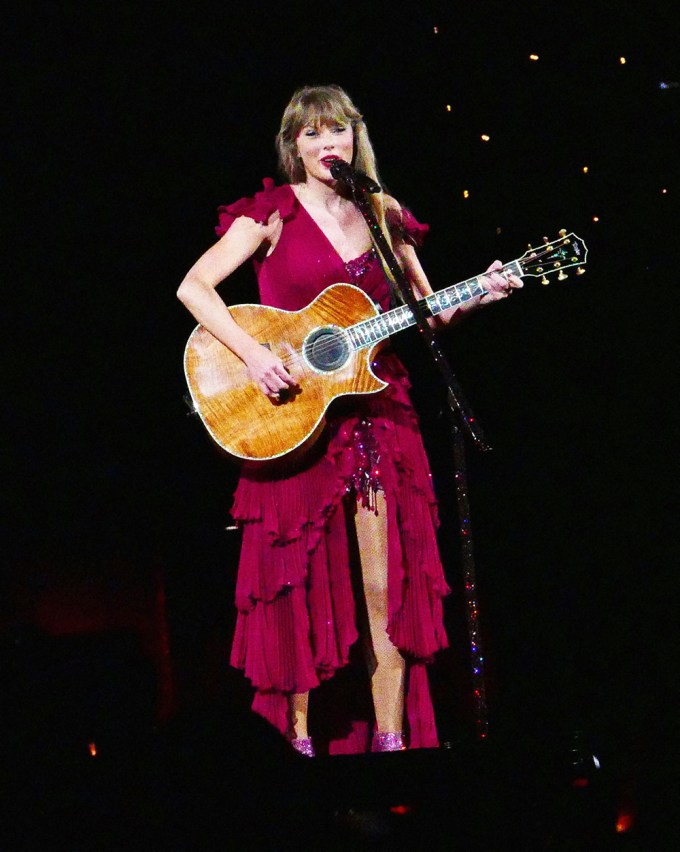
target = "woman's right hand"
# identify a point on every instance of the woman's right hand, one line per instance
(268, 371)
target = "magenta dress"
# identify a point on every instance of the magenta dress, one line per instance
(296, 618)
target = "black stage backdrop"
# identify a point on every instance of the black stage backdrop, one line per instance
(131, 122)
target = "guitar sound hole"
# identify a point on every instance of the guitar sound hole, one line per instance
(326, 349)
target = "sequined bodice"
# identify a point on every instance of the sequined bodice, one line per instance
(359, 266)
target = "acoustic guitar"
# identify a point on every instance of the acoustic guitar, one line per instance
(328, 348)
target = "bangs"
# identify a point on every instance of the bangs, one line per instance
(321, 109)
(323, 115)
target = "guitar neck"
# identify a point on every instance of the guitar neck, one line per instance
(370, 331)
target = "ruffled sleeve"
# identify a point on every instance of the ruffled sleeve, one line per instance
(404, 226)
(260, 207)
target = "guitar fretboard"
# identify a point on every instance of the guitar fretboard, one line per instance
(370, 331)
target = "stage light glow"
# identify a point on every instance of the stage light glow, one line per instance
(92, 748)
(448, 107)
(466, 194)
(596, 218)
(485, 138)
(585, 170)
(624, 822)
(622, 60)
(664, 191)
(533, 57)
(436, 30)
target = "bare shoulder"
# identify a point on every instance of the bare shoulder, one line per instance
(247, 231)
(245, 226)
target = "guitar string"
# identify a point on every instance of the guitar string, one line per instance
(325, 348)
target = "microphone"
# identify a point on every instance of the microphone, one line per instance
(342, 170)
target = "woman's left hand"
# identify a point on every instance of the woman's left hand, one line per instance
(498, 284)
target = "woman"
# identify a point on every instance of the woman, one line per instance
(342, 543)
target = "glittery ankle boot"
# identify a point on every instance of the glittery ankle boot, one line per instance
(390, 741)
(303, 745)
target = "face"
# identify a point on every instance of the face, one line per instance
(319, 146)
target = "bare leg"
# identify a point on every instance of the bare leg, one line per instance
(297, 708)
(387, 680)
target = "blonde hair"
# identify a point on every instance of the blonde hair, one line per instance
(319, 106)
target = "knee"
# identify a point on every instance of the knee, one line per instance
(376, 600)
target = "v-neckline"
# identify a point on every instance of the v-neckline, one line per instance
(323, 234)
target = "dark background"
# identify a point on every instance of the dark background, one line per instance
(130, 123)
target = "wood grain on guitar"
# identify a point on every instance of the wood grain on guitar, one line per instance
(240, 418)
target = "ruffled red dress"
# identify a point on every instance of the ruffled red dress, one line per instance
(297, 614)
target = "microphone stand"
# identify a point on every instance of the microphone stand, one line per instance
(462, 419)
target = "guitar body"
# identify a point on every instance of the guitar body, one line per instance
(239, 417)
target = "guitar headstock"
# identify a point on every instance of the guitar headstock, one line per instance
(554, 257)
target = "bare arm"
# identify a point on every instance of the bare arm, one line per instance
(420, 284)
(197, 292)
(498, 286)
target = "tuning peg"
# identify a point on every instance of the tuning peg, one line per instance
(562, 232)
(546, 240)
(545, 281)
(562, 275)
(530, 247)
(580, 271)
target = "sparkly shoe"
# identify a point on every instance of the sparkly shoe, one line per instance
(303, 745)
(391, 741)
